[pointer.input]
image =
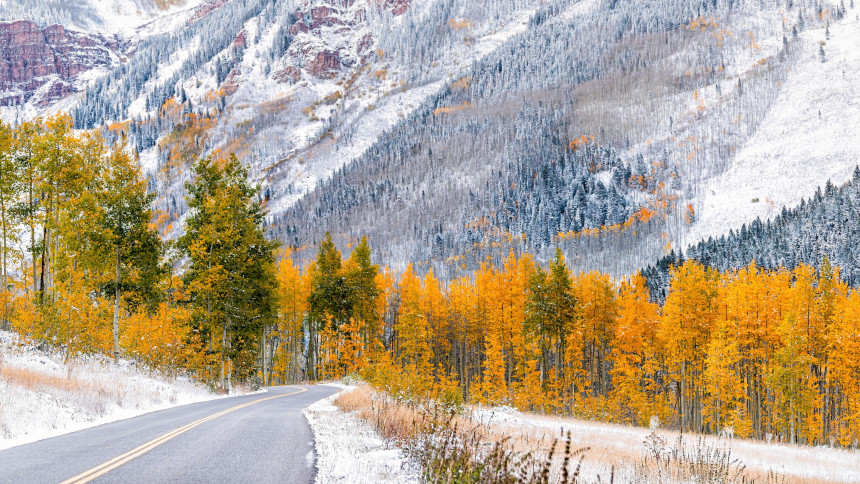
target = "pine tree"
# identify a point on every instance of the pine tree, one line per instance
(330, 301)
(361, 276)
(230, 275)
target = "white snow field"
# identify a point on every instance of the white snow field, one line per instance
(620, 446)
(810, 135)
(42, 396)
(350, 450)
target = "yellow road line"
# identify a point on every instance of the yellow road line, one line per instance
(112, 464)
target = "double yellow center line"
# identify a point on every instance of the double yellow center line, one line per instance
(112, 464)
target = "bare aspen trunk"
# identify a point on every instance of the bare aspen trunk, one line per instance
(683, 392)
(224, 357)
(4, 321)
(263, 349)
(45, 246)
(3, 214)
(229, 360)
(33, 238)
(118, 280)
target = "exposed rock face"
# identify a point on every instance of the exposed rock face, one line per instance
(205, 9)
(325, 65)
(397, 7)
(241, 42)
(312, 52)
(47, 62)
(231, 84)
(288, 74)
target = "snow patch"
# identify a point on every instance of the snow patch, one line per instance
(811, 135)
(350, 450)
(43, 395)
(616, 444)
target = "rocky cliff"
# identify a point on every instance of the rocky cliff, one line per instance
(46, 64)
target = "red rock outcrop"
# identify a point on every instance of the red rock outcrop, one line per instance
(317, 55)
(32, 57)
(397, 7)
(241, 42)
(205, 9)
(231, 84)
(325, 65)
(288, 74)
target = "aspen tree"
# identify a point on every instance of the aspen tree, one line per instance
(634, 363)
(124, 205)
(684, 331)
(293, 290)
(10, 190)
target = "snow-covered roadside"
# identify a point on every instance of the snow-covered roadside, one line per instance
(42, 396)
(350, 450)
(620, 446)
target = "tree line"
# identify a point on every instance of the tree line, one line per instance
(762, 353)
(824, 225)
(85, 269)
(749, 352)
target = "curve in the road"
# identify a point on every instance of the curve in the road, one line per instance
(237, 439)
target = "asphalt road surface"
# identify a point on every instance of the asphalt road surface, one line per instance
(257, 438)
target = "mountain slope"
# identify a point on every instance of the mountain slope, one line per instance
(810, 135)
(602, 148)
(450, 132)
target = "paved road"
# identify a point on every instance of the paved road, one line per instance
(266, 439)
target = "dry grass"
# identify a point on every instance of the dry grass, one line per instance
(43, 394)
(37, 381)
(452, 447)
(552, 449)
(616, 446)
(92, 396)
(393, 420)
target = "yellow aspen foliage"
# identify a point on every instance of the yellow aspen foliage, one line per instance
(293, 291)
(413, 336)
(844, 350)
(160, 340)
(635, 363)
(684, 331)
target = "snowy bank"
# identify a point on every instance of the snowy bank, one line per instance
(349, 450)
(617, 446)
(42, 396)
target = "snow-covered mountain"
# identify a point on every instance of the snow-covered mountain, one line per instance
(453, 130)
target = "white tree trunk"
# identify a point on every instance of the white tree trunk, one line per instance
(116, 306)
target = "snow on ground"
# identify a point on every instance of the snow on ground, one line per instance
(137, 17)
(810, 135)
(577, 9)
(350, 450)
(620, 446)
(42, 396)
(383, 112)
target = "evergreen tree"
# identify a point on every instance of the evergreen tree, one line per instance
(230, 275)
